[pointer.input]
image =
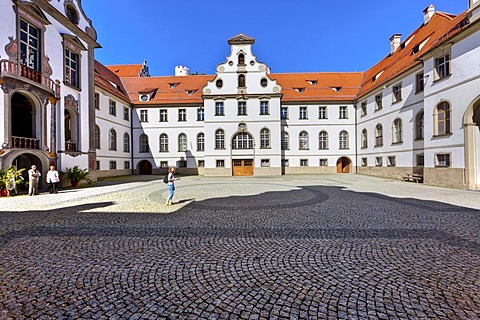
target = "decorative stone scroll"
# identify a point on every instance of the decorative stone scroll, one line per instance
(12, 49)
(71, 103)
(46, 68)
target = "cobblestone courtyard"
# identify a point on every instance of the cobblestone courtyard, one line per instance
(292, 247)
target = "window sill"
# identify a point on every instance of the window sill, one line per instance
(378, 146)
(378, 109)
(219, 115)
(437, 80)
(437, 166)
(322, 118)
(72, 86)
(302, 118)
(396, 143)
(440, 136)
(397, 101)
(242, 115)
(264, 114)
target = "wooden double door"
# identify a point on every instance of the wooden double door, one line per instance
(242, 167)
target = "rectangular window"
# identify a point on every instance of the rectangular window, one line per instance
(143, 115)
(442, 160)
(163, 164)
(220, 163)
(364, 162)
(442, 67)
(378, 102)
(397, 93)
(303, 162)
(182, 115)
(363, 109)
(219, 109)
(126, 113)
(200, 114)
(391, 161)
(163, 115)
(323, 162)
(303, 115)
(29, 46)
(284, 113)
(126, 165)
(112, 108)
(201, 163)
(71, 69)
(97, 165)
(242, 108)
(420, 160)
(322, 112)
(181, 163)
(97, 101)
(265, 163)
(264, 110)
(343, 112)
(378, 161)
(113, 165)
(285, 163)
(419, 82)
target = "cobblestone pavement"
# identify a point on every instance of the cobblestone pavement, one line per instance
(292, 247)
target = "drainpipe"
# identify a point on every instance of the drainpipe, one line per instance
(131, 142)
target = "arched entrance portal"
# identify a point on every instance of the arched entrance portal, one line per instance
(26, 160)
(343, 165)
(145, 167)
(471, 124)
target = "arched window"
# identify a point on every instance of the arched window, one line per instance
(303, 141)
(112, 140)
(378, 135)
(143, 143)
(264, 138)
(163, 142)
(241, 59)
(242, 140)
(201, 142)
(219, 139)
(285, 141)
(419, 125)
(323, 140)
(241, 81)
(126, 142)
(443, 118)
(364, 139)
(397, 134)
(182, 142)
(343, 140)
(97, 137)
(72, 14)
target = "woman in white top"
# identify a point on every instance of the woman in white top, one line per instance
(171, 185)
(53, 179)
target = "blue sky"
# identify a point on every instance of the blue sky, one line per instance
(290, 36)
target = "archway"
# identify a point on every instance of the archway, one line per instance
(471, 122)
(24, 122)
(26, 160)
(343, 165)
(145, 167)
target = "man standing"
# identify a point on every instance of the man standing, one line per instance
(33, 175)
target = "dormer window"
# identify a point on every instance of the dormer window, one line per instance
(71, 14)
(312, 82)
(191, 92)
(172, 85)
(241, 59)
(337, 89)
(299, 90)
(416, 49)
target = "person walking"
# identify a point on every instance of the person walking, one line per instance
(53, 179)
(33, 175)
(171, 185)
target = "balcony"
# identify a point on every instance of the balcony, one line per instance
(70, 146)
(11, 68)
(25, 143)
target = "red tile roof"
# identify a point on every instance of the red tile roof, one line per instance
(126, 70)
(107, 80)
(322, 86)
(165, 94)
(440, 27)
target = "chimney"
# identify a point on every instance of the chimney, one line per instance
(394, 42)
(428, 13)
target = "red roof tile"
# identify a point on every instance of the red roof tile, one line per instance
(107, 80)
(126, 70)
